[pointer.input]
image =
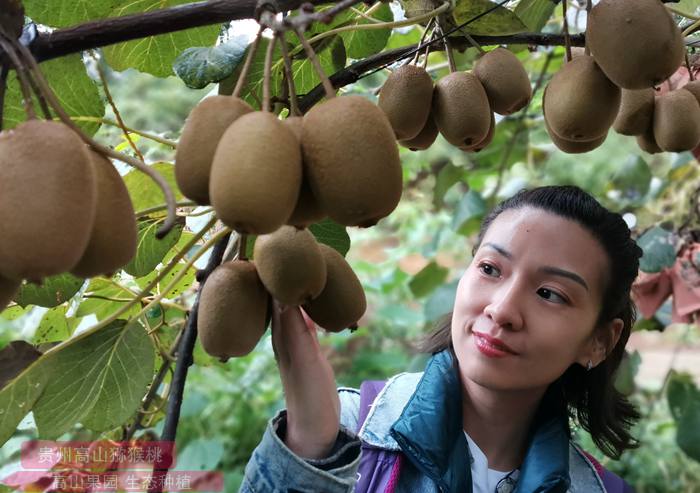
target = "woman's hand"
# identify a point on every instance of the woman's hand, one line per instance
(313, 405)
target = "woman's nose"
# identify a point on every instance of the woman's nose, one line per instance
(504, 307)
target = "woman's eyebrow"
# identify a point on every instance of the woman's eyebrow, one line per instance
(556, 271)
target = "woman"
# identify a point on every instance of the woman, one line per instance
(541, 318)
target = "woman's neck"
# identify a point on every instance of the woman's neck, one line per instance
(499, 423)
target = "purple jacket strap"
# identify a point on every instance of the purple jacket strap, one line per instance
(611, 481)
(379, 469)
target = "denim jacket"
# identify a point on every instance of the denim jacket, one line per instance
(420, 415)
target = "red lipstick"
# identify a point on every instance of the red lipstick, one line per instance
(491, 346)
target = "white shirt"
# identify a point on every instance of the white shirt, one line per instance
(484, 480)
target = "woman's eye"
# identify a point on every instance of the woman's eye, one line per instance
(548, 294)
(489, 269)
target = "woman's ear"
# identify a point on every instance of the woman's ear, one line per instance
(602, 342)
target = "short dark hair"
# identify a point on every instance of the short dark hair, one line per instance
(589, 396)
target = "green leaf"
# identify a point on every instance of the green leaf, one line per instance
(624, 377)
(688, 433)
(155, 54)
(499, 21)
(399, 39)
(104, 297)
(150, 250)
(534, 13)
(682, 393)
(63, 13)
(74, 88)
(331, 58)
(361, 44)
(181, 286)
(632, 178)
(198, 67)
(200, 455)
(98, 380)
(428, 279)
(332, 234)
(659, 250)
(448, 175)
(55, 326)
(19, 396)
(440, 302)
(470, 211)
(143, 190)
(52, 292)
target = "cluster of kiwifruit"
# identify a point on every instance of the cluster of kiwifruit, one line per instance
(271, 177)
(63, 208)
(634, 45)
(460, 105)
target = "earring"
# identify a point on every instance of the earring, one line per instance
(589, 365)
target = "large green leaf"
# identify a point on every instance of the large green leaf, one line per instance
(470, 211)
(361, 44)
(98, 381)
(55, 326)
(187, 280)
(659, 250)
(332, 59)
(18, 397)
(104, 297)
(428, 279)
(684, 401)
(62, 13)
(198, 67)
(498, 21)
(51, 292)
(155, 54)
(144, 192)
(535, 13)
(75, 90)
(448, 175)
(332, 234)
(151, 251)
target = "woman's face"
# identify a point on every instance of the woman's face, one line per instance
(526, 307)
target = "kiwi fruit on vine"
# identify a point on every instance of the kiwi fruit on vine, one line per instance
(233, 308)
(8, 289)
(352, 160)
(677, 121)
(290, 265)
(113, 238)
(203, 129)
(647, 142)
(342, 301)
(580, 103)
(505, 80)
(461, 109)
(307, 210)
(425, 137)
(47, 200)
(256, 174)
(635, 42)
(636, 111)
(574, 147)
(486, 141)
(694, 87)
(405, 98)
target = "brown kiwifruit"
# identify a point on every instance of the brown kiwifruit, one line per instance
(647, 143)
(461, 109)
(307, 210)
(256, 174)
(694, 87)
(203, 129)
(487, 140)
(352, 160)
(113, 238)
(47, 200)
(580, 102)
(290, 265)
(636, 111)
(574, 147)
(425, 138)
(8, 289)
(342, 301)
(405, 98)
(677, 121)
(504, 79)
(233, 309)
(635, 42)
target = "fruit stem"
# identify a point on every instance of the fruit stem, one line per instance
(246, 65)
(107, 121)
(327, 86)
(681, 13)
(422, 39)
(293, 101)
(690, 29)
(266, 73)
(21, 74)
(448, 51)
(104, 150)
(243, 247)
(472, 41)
(567, 38)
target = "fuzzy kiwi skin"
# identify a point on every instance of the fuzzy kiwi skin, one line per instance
(677, 121)
(425, 138)
(113, 238)
(405, 98)
(636, 111)
(573, 147)
(647, 143)
(307, 210)
(8, 289)
(461, 109)
(256, 174)
(486, 141)
(635, 42)
(290, 265)
(342, 301)
(694, 87)
(233, 308)
(203, 129)
(352, 160)
(505, 80)
(580, 102)
(47, 200)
